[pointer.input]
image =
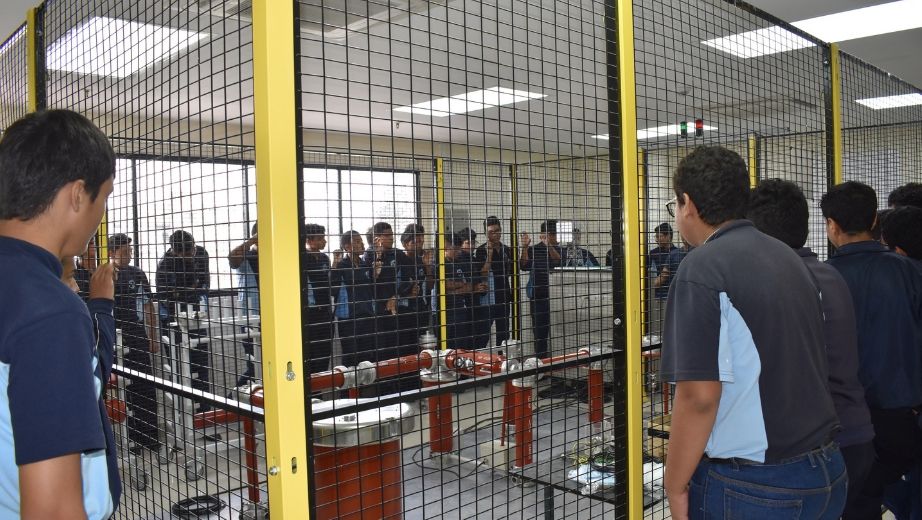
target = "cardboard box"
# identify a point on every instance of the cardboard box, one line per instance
(657, 436)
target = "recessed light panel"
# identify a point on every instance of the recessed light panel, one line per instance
(116, 48)
(880, 103)
(470, 102)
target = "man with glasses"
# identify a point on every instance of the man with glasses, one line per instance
(752, 420)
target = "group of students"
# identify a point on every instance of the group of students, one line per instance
(798, 382)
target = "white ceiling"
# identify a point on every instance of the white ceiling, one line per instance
(556, 47)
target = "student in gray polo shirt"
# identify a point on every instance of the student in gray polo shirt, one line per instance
(753, 420)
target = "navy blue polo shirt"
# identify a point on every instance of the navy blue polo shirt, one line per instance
(842, 352)
(51, 371)
(886, 290)
(540, 263)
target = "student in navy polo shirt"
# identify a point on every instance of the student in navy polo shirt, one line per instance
(318, 314)
(539, 260)
(134, 315)
(57, 458)
(753, 420)
(494, 259)
(779, 209)
(886, 290)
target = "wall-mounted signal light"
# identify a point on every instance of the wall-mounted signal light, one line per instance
(683, 128)
(699, 127)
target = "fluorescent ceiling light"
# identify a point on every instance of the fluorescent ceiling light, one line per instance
(761, 42)
(117, 48)
(661, 131)
(880, 103)
(864, 22)
(470, 102)
(847, 25)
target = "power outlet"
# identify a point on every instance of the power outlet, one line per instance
(495, 455)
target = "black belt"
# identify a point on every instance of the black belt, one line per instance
(826, 446)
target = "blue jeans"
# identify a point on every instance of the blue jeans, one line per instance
(808, 486)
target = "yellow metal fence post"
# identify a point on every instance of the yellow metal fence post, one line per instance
(836, 90)
(32, 59)
(632, 254)
(514, 244)
(440, 239)
(279, 247)
(753, 147)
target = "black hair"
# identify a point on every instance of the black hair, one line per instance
(852, 205)
(346, 238)
(779, 209)
(468, 234)
(491, 221)
(253, 229)
(453, 239)
(909, 194)
(717, 180)
(182, 242)
(903, 228)
(44, 151)
(313, 231)
(411, 232)
(881, 216)
(549, 226)
(664, 229)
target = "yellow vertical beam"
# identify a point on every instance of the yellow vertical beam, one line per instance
(440, 225)
(31, 59)
(277, 213)
(514, 243)
(753, 160)
(632, 254)
(642, 211)
(836, 80)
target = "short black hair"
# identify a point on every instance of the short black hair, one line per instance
(381, 227)
(468, 234)
(852, 205)
(491, 221)
(182, 241)
(903, 228)
(346, 238)
(118, 240)
(909, 194)
(664, 229)
(314, 231)
(717, 181)
(254, 229)
(453, 239)
(44, 151)
(779, 209)
(549, 226)
(411, 232)
(881, 216)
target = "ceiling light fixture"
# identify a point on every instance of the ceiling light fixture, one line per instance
(886, 18)
(470, 102)
(659, 131)
(111, 47)
(880, 103)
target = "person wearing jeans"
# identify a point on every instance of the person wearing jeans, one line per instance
(753, 421)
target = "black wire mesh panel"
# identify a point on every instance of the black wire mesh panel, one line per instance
(171, 84)
(14, 78)
(453, 138)
(880, 139)
(715, 73)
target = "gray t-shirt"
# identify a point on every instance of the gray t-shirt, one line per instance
(745, 311)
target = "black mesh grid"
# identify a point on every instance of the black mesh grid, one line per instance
(171, 85)
(14, 78)
(880, 139)
(763, 104)
(516, 144)
(525, 138)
